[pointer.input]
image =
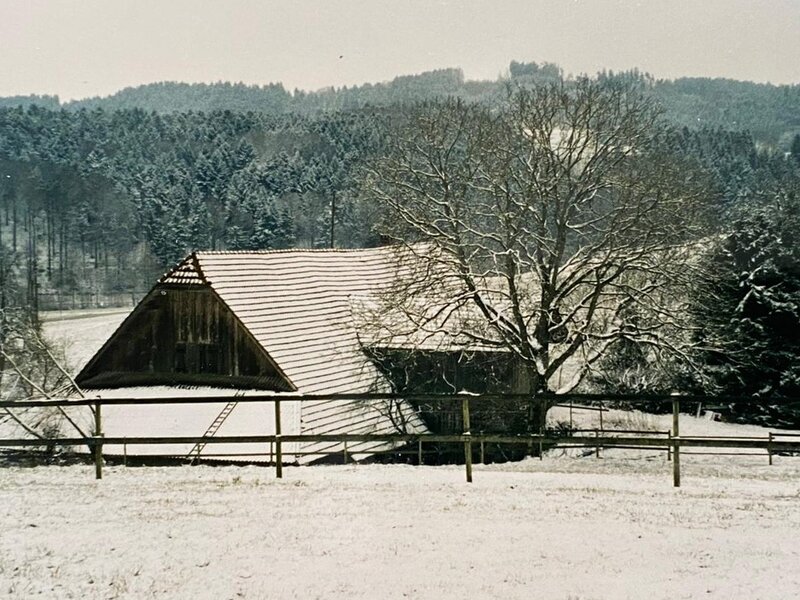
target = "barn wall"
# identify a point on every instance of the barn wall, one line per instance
(182, 335)
(418, 372)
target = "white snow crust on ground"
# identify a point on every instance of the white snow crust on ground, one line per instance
(560, 528)
(566, 527)
(81, 333)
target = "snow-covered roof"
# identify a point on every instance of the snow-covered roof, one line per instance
(295, 304)
(422, 324)
(313, 311)
(193, 419)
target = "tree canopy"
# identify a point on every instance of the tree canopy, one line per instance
(748, 309)
(558, 216)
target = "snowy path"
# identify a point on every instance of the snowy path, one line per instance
(557, 529)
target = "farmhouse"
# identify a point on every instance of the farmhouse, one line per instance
(239, 323)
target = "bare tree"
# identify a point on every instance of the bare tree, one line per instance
(33, 369)
(539, 228)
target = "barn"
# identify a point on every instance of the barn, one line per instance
(235, 323)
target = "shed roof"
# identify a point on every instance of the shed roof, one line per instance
(295, 303)
(193, 419)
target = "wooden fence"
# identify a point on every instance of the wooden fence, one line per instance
(670, 441)
(73, 300)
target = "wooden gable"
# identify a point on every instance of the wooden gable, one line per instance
(183, 333)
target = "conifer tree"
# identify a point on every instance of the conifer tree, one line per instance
(748, 309)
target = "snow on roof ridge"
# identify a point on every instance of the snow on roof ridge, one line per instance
(157, 390)
(297, 250)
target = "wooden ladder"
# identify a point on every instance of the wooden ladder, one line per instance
(194, 453)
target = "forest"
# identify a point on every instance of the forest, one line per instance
(100, 196)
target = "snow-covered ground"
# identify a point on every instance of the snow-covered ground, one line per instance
(81, 333)
(561, 528)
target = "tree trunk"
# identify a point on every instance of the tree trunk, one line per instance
(528, 381)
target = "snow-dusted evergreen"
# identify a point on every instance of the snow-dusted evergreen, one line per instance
(749, 308)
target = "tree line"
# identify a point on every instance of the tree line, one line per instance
(103, 200)
(769, 112)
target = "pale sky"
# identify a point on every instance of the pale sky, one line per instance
(79, 48)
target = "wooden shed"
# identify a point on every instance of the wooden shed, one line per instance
(241, 323)
(305, 322)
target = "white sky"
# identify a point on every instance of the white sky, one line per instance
(79, 48)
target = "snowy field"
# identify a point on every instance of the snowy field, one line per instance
(81, 333)
(561, 528)
(567, 527)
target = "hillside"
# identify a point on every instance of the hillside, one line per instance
(771, 113)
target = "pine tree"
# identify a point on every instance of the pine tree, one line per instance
(794, 149)
(749, 309)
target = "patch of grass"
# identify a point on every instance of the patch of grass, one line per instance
(634, 420)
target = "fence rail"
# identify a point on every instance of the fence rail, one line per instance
(672, 443)
(587, 441)
(73, 300)
(563, 400)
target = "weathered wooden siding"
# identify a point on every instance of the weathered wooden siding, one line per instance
(182, 334)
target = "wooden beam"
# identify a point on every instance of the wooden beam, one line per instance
(367, 397)
(580, 441)
(278, 448)
(467, 435)
(676, 452)
(98, 444)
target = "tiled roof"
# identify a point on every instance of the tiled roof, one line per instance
(296, 304)
(424, 324)
(193, 419)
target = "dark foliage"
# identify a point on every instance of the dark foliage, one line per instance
(749, 308)
(102, 202)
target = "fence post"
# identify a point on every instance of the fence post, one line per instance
(483, 453)
(98, 445)
(467, 442)
(669, 446)
(542, 427)
(596, 444)
(601, 416)
(769, 448)
(676, 432)
(345, 452)
(602, 431)
(570, 414)
(419, 451)
(278, 449)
